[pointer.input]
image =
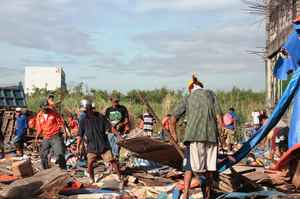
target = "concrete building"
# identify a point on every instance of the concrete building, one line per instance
(279, 16)
(50, 78)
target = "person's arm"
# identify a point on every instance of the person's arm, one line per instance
(38, 127)
(178, 113)
(80, 134)
(173, 130)
(234, 124)
(125, 115)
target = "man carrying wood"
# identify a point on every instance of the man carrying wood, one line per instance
(51, 125)
(204, 118)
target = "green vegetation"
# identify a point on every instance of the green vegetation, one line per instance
(162, 100)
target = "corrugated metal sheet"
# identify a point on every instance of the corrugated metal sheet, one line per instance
(154, 150)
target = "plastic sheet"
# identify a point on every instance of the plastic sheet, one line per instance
(278, 112)
(294, 133)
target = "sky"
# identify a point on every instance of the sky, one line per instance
(134, 44)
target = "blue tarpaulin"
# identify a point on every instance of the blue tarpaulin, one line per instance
(283, 66)
(278, 112)
(294, 132)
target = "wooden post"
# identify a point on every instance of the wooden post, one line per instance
(144, 100)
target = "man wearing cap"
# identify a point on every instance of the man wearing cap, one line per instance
(117, 115)
(93, 128)
(50, 125)
(20, 133)
(204, 118)
(51, 102)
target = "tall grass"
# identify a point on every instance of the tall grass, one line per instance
(162, 100)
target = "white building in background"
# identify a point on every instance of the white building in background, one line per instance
(50, 78)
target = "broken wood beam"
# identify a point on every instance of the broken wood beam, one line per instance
(49, 181)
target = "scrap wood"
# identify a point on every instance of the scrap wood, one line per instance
(50, 180)
(155, 150)
(286, 188)
(225, 184)
(256, 176)
(174, 174)
(6, 171)
(244, 180)
(235, 182)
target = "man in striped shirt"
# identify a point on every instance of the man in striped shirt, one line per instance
(149, 122)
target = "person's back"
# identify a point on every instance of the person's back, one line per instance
(204, 117)
(94, 126)
(202, 110)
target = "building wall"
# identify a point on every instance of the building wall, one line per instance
(279, 18)
(49, 78)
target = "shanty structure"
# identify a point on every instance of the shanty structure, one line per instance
(12, 97)
(279, 16)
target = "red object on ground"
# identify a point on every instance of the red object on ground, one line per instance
(7, 179)
(292, 154)
(73, 186)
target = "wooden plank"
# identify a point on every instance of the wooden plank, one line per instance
(45, 182)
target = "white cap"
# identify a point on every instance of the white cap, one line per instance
(18, 109)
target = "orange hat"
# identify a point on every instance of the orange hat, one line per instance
(193, 81)
(190, 83)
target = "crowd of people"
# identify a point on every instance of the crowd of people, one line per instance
(97, 134)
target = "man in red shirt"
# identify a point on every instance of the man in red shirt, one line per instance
(73, 124)
(50, 124)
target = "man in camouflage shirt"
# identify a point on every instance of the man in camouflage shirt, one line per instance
(204, 118)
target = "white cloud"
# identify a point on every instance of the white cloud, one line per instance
(43, 25)
(220, 50)
(146, 5)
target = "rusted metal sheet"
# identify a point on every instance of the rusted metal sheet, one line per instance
(153, 149)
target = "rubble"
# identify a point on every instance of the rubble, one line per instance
(22, 169)
(44, 184)
(154, 150)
